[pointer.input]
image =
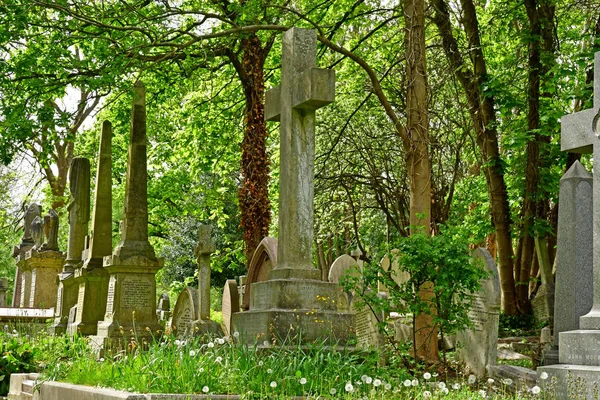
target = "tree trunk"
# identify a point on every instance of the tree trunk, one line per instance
(419, 167)
(481, 109)
(253, 194)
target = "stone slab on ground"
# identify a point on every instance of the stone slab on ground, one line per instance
(505, 354)
(522, 378)
(21, 386)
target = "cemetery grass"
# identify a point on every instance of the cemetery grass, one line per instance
(216, 366)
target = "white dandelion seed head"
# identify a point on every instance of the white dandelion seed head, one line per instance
(407, 382)
(490, 381)
(303, 381)
(205, 389)
(427, 394)
(377, 382)
(387, 386)
(210, 345)
(269, 371)
(483, 393)
(456, 386)
(332, 391)
(369, 380)
(472, 379)
(426, 376)
(544, 375)
(415, 382)
(349, 388)
(236, 334)
(273, 384)
(536, 390)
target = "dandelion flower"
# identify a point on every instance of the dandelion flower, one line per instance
(332, 391)
(472, 379)
(407, 383)
(427, 394)
(220, 341)
(177, 342)
(427, 376)
(490, 381)
(260, 363)
(273, 384)
(435, 374)
(266, 343)
(192, 353)
(236, 334)
(377, 382)
(544, 375)
(415, 382)
(303, 381)
(507, 381)
(201, 370)
(387, 386)
(102, 359)
(219, 359)
(536, 390)
(442, 385)
(369, 380)
(349, 388)
(482, 393)
(210, 345)
(205, 389)
(269, 371)
(444, 390)
(456, 386)
(364, 378)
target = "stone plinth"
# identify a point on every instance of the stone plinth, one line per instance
(91, 291)
(3, 290)
(66, 297)
(130, 300)
(308, 310)
(43, 269)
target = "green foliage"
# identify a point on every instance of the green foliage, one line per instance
(442, 261)
(517, 325)
(17, 355)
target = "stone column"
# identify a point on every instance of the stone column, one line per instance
(203, 250)
(131, 294)
(79, 217)
(134, 241)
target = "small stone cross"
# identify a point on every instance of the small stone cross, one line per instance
(202, 251)
(580, 133)
(304, 88)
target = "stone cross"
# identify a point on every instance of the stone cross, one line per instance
(205, 247)
(134, 240)
(100, 243)
(51, 231)
(79, 210)
(304, 88)
(580, 133)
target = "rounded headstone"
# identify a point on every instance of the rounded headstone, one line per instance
(230, 304)
(185, 312)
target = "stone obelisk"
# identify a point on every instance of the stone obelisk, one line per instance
(131, 297)
(92, 278)
(79, 217)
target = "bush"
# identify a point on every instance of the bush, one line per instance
(16, 356)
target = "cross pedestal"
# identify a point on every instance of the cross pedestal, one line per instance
(579, 350)
(294, 301)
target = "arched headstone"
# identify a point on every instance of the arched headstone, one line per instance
(230, 303)
(263, 261)
(185, 312)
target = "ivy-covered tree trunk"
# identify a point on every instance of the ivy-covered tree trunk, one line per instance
(253, 194)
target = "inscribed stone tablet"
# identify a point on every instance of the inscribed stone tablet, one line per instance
(477, 347)
(185, 312)
(230, 304)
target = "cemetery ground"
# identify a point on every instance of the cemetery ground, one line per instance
(217, 365)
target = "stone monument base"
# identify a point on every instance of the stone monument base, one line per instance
(568, 378)
(66, 297)
(297, 310)
(130, 302)
(92, 287)
(45, 267)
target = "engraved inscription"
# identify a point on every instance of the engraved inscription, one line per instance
(136, 294)
(110, 298)
(59, 296)
(32, 295)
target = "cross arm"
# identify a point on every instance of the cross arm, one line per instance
(576, 132)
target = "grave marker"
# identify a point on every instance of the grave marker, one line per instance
(3, 290)
(230, 304)
(34, 210)
(263, 261)
(185, 312)
(477, 347)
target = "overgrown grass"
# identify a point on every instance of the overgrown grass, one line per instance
(216, 366)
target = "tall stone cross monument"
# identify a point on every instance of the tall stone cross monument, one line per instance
(579, 350)
(304, 88)
(291, 301)
(203, 324)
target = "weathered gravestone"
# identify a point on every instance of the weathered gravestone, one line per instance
(185, 312)
(263, 261)
(390, 264)
(579, 350)
(574, 255)
(477, 347)
(163, 309)
(543, 302)
(230, 304)
(291, 301)
(23, 267)
(203, 324)
(3, 290)
(34, 210)
(79, 216)
(131, 295)
(92, 278)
